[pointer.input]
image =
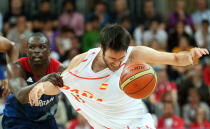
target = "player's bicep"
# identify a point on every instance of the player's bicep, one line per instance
(149, 55)
(75, 62)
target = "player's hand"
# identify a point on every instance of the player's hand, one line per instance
(35, 94)
(196, 53)
(54, 78)
(5, 88)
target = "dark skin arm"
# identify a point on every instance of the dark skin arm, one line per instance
(18, 85)
(10, 48)
(12, 53)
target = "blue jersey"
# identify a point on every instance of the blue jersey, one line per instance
(48, 104)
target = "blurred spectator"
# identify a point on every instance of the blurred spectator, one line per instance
(169, 120)
(164, 85)
(202, 13)
(2, 73)
(202, 36)
(138, 35)
(121, 10)
(15, 10)
(72, 53)
(192, 78)
(155, 33)
(20, 34)
(183, 45)
(180, 14)
(179, 32)
(60, 116)
(45, 13)
(91, 38)
(37, 26)
(149, 14)
(100, 10)
(1, 22)
(206, 72)
(189, 110)
(167, 97)
(64, 43)
(72, 19)
(126, 23)
(79, 123)
(51, 35)
(200, 120)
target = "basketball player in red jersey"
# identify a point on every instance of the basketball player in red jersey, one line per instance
(110, 107)
(23, 75)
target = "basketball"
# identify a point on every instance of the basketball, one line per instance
(138, 80)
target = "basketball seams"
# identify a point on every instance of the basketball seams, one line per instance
(133, 65)
(143, 87)
(142, 73)
(152, 90)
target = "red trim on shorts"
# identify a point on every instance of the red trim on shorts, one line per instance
(89, 78)
(128, 127)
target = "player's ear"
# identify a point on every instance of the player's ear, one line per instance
(102, 48)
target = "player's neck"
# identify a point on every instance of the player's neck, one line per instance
(98, 63)
(39, 68)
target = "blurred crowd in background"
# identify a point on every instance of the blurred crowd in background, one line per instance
(182, 96)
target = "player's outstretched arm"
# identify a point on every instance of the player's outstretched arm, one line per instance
(12, 54)
(49, 88)
(149, 55)
(10, 48)
(18, 85)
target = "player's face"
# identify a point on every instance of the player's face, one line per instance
(113, 58)
(38, 50)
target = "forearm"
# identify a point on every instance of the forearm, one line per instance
(50, 89)
(20, 92)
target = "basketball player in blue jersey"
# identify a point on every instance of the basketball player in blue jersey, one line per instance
(110, 107)
(22, 76)
(12, 52)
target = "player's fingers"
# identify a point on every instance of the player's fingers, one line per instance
(30, 99)
(202, 51)
(206, 51)
(36, 97)
(32, 96)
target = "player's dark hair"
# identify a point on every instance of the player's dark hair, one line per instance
(115, 37)
(39, 34)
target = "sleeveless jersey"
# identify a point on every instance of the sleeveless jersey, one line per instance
(48, 104)
(98, 97)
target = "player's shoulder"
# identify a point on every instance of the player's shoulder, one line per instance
(136, 52)
(77, 60)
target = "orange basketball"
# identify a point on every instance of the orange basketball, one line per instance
(138, 80)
